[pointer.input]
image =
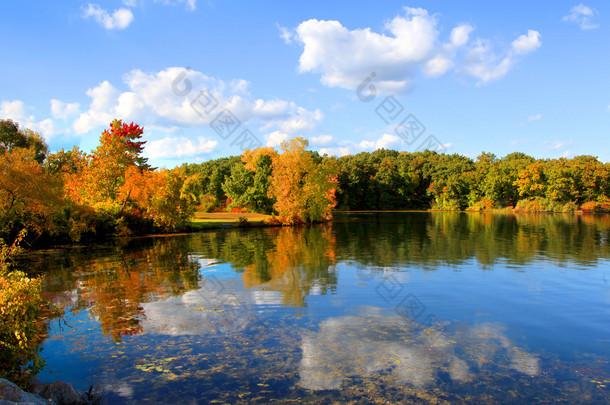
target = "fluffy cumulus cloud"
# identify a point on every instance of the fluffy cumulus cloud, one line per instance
(121, 18)
(337, 151)
(321, 140)
(14, 110)
(275, 139)
(17, 111)
(177, 97)
(170, 147)
(118, 20)
(190, 98)
(63, 110)
(385, 142)
(583, 16)
(410, 43)
(527, 43)
(102, 109)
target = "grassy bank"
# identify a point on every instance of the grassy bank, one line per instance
(211, 220)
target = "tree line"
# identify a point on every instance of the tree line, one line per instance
(70, 195)
(391, 180)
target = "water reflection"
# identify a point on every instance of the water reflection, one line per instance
(409, 353)
(430, 239)
(114, 283)
(213, 308)
(239, 316)
(292, 261)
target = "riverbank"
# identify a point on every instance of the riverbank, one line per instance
(212, 220)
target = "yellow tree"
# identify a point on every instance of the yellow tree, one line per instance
(29, 196)
(303, 188)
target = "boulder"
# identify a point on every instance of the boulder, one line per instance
(59, 392)
(11, 394)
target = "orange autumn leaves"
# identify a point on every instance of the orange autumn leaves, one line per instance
(116, 181)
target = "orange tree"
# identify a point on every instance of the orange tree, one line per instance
(118, 184)
(30, 197)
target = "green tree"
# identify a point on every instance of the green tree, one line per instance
(11, 137)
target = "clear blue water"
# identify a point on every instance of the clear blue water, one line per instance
(373, 308)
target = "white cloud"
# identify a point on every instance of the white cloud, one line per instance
(418, 358)
(460, 34)
(187, 98)
(45, 127)
(385, 141)
(63, 110)
(102, 110)
(527, 43)
(481, 61)
(534, 117)
(608, 108)
(172, 147)
(120, 18)
(583, 16)
(321, 140)
(345, 58)
(17, 111)
(191, 5)
(286, 34)
(338, 151)
(300, 120)
(438, 65)
(14, 110)
(555, 145)
(275, 139)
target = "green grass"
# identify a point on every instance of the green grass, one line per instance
(206, 220)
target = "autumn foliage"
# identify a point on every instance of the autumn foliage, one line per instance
(23, 314)
(70, 194)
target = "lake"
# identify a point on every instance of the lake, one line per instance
(377, 307)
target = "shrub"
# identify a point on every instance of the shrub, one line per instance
(601, 205)
(539, 204)
(484, 204)
(207, 203)
(242, 222)
(569, 207)
(23, 314)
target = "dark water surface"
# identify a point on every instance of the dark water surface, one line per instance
(374, 308)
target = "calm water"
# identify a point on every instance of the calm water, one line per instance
(373, 308)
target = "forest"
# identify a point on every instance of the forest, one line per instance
(69, 196)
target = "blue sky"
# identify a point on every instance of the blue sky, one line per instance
(208, 79)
